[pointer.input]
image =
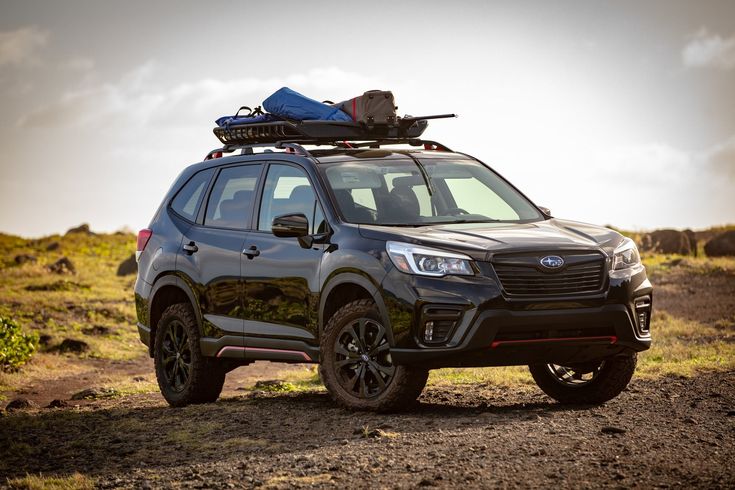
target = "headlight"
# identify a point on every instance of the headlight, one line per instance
(626, 258)
(412, 259)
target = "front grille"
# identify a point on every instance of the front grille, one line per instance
(524, 275)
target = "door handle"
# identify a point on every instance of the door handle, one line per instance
(251, 252)
(190, 248)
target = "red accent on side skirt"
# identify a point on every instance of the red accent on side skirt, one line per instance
(263, 349)
(497, 343)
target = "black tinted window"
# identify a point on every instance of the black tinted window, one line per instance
(287, 191)
(188, 198)
(231, 200)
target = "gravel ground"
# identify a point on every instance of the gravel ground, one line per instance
(670, 432)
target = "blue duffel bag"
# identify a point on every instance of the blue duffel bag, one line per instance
(292, 105)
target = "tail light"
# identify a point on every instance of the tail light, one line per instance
(143, 236)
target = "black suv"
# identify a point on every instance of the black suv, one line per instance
(380, 263)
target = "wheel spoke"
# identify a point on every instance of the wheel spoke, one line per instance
(342, 350)
(168, 349)
(185, 368)
(387, 370)
(363, 385)
(182, 337)
(376, 375)
(353, 381)
(350, 361)
(358, 334)
(379, 336)
(381, 348)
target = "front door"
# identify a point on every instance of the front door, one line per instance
(282, 277)
(212, 250)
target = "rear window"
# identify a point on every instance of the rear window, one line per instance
(186, 202)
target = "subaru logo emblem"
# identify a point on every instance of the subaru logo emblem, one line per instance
(552, 261)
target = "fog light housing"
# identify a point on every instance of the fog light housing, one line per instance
(429, 331)
(643, 315)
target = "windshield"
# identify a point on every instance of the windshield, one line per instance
(424, 191)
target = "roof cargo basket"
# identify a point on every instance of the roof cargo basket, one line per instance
(322, 132)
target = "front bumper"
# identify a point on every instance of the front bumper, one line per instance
(506, 338)
(497, 330)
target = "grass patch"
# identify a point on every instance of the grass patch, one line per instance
(663, 263)
(684, 347)
(76, 481)
(309, 480)
(293, 381)
(499, 376)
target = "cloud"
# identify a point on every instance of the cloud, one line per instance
(709, 50)
(140, 98)
(19, 46)
(720, 159)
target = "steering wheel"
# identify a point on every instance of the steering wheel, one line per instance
(457, 211)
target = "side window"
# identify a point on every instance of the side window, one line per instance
(187, 199)
(287, 191)
(231, 200)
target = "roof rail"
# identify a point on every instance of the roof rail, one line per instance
(322, 132)
(247, 149)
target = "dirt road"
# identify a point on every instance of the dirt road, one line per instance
(670, 432)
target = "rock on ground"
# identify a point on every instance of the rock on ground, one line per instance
(667, 242)
(73, 345)
(721, 245)
(25, 258)
(63, 266)
(82, 229)
(19, 404)
(128, 266)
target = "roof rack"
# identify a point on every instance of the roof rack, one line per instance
(322, 132)
(298, 149)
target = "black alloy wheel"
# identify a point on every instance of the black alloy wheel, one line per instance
(362, 358)
(356, 364)
(184, 374)
(585, 383)
(176, 356)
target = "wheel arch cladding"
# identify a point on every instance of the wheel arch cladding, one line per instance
(346, 288)
(167, 293)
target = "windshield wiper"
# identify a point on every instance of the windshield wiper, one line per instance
(484, 220)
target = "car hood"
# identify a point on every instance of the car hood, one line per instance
(483, 240)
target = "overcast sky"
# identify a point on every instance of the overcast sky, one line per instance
(616, 113)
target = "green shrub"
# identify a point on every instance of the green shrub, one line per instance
(16, 348)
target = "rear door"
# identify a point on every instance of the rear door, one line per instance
(212, 248)
(282, 277)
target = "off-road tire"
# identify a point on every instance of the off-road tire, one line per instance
(206, 375)
(612, 379)
(401, 391)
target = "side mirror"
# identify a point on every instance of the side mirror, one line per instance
(290, 225)
(546, 211)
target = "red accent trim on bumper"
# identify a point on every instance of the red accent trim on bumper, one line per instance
(497, 343)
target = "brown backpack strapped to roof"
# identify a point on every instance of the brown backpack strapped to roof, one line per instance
(374, 107)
